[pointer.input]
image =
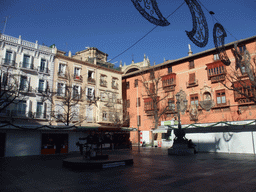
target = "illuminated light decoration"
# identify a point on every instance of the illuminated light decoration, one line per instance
(199, 34)
(219, 35)
(161, 21)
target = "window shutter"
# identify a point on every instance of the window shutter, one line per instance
(45, 109)
(151, 88)
(192, 78)
(32, 60)
(14, 56)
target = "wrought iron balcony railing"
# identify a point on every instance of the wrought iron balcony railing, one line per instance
(43, 70)
(78, 78)
(192, 83)
(91, 80)
(62, 74)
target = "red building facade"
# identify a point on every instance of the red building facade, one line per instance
(202, 77)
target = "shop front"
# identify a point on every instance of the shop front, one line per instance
(54, 143)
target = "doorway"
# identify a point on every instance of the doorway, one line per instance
(2, 144)
(54, 143)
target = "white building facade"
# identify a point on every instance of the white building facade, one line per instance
(28, 68)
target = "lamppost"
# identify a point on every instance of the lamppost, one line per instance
(179, 133)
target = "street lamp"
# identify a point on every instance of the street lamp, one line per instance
(179, 133)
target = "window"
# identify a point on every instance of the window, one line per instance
(23, 83)
(191, 65)
(138, 120)
(149, 105)
(62, 69)
(9, 60)
(39, 110)
(103, 81)
(152, 75)
(194, 99)
(76, 92)
(114, 83)
(104, 116)
(21, 108)
(5, 79)
(91, 77)
(216, 70)
(26, 61)
(41, 86)
(138, 102)
(77, 73)
(61, 89)
(171, 104)
(192, 78)
(90, 93)
(127, 85)
(170, 69)
(90, 74)
(216, 57)
(136, 83)
(43, 65)
(221, 97)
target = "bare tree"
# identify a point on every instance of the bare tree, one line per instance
(66, 100)
(242, 76)
(157, 104)
(11, 91)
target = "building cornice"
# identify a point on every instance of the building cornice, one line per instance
(188, 58)
(86, 63)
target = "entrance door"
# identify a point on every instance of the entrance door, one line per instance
(2, 144)
(54, 143)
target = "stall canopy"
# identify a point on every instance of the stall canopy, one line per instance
(161, 129)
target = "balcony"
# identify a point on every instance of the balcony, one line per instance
(28, 67)
(192, 83)
(103, 83)
(62, 74)
(216, 71)
(91, 80)
(27, 90)
(42, 90)
(39, 115)
(169, 82)
(8, 63)
(60, 95)
(218, 78)
(18, 114)
(78, 78)
(114, 85)
(45, 71)
(77, 96)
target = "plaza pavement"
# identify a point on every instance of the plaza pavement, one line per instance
(153, 170)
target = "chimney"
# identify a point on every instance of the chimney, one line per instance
(69, 54)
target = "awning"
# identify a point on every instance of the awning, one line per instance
(161, 129)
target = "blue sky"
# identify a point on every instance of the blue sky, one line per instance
(114, 25)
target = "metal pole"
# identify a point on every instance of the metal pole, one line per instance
(138, 140)
(138, 119)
